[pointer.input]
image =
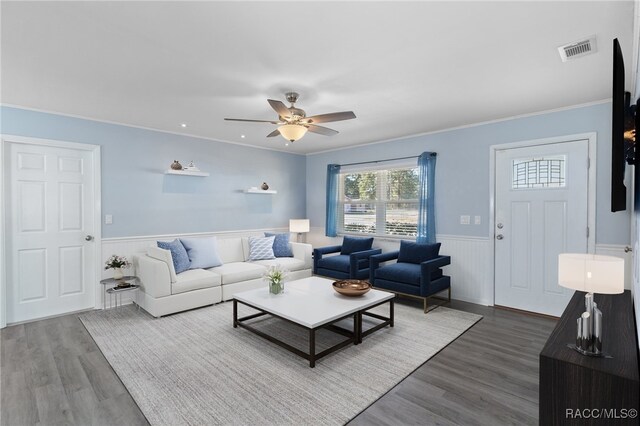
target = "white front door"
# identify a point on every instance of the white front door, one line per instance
(51, 254)
(541, 211)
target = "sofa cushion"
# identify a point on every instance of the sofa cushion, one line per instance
(354, 244)
(231, 250)
(194, 279)
(281, 247)
(290, 263)
(179, 254)
(403, 272)
(203, 252)
(412, 252)
(238, 271)
(261, 248)
(336, 263)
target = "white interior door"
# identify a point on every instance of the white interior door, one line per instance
(541, 211)
(51, 257)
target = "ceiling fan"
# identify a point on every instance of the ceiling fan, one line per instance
(294, 122)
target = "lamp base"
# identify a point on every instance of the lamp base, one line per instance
(589, 353)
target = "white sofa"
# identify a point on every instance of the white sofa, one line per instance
(164, 292)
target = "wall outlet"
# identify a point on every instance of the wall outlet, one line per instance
(476, 220)
(465, 219)
(108, 219)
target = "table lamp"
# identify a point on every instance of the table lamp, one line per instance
(594, 274)
(299, 226)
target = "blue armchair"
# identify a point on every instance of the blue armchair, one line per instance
(417, 272)
(351, 263)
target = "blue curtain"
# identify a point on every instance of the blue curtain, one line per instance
(426, 213)
(331, 228)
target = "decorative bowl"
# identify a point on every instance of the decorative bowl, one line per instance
(352, 288)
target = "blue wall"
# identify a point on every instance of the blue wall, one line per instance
(145, 201)
(462, 170)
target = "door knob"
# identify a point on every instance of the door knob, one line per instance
(89, 238)
(627, 249)
(499, 236)
(499, 226)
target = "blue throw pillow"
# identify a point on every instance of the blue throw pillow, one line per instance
(203, 252)
(411, 252)
(353, 244)
(178, 254)
(281, 246)
(261, 248)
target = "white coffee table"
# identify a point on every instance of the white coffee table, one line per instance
(312, 303)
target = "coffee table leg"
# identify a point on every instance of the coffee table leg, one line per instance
(356, 329)
(312, 348)
(391, 313)
(235, 313)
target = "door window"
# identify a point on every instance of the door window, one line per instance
(539, 173)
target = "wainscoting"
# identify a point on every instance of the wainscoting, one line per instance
(471, 270)
(129, 246)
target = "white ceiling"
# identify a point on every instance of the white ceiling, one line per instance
(404, 68)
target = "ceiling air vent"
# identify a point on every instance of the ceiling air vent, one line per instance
(578, 49)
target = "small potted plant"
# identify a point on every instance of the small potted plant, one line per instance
(275, 276)
(117, 263)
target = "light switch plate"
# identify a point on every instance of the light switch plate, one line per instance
(476, 220)
(465, 219)
(108, 219)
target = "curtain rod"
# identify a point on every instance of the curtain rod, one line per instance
(433, 154)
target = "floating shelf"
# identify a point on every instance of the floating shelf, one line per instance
(260, 191)
(185, 173)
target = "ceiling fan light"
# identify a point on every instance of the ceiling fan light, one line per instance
(292, 132)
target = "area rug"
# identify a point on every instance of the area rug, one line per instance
(194, 368)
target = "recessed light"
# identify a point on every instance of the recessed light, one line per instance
(286, 144)
(183, 125)
(242, 136)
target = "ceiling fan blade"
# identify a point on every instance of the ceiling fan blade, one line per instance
(334, 116)
(280, 108)
(276, 132)
(253, 121)
(321, 130)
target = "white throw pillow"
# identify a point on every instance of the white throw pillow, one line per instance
(261, 248)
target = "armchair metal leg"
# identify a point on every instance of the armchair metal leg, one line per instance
(449, 294)
(425, 305)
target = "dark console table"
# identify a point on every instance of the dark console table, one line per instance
(570, 381)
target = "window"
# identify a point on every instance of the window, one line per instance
(379, 201)
(539, 173)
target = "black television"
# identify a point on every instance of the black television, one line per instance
(618, 155)
(631, 125)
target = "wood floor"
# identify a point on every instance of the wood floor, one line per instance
(53, 374)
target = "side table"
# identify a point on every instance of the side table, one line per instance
(117, 292)
(112, 282)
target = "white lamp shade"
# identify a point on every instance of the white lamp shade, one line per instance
(292, 132)
(591, 273)
(299, 225)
